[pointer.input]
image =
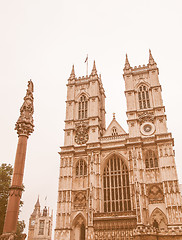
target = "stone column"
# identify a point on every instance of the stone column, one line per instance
(24, 127)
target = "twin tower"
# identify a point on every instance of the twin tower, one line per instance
(113, 184)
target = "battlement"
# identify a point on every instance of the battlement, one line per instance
(141, 68)
(82, 78)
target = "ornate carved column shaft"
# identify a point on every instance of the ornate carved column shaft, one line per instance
(24, 127)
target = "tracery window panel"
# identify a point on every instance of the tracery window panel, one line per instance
(114, 131)
(151, 159)
(83, 108)
(81, 168)
(41, 227)
(143, 97)
(116, 186)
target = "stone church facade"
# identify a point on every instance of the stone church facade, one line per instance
(113, 184)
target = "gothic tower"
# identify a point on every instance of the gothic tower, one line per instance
(80, 157)
(113, 184)
(40, 223)
(150, 149)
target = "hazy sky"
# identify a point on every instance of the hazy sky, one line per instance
(41, 39)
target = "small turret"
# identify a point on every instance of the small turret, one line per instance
(45, 211)
(94, 70)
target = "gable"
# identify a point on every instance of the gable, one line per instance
(114, 129)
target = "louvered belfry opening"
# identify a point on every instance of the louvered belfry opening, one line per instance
(116, 186)
(83, 108)
(143, 97)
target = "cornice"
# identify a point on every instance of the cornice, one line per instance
(117, 143)
(145, 110)
(82, 120)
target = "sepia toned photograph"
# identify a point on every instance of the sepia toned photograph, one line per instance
(90, 95)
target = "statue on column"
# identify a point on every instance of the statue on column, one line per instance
(24, 127)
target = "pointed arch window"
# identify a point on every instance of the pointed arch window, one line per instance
(116, 186)
(81, 168)
(83, 108)
(143, 97)
(151, 160)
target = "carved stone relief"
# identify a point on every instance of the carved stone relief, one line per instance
(79, 200)
(114, 229)
(155, 193)
(146, 117)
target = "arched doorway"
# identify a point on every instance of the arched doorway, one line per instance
(158, 219)
(78, 228)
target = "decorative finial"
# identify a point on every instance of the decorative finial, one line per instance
(94, 70)
(24, 125)
(114, 115)
(72, 75)
(127, 64)
(151, 59)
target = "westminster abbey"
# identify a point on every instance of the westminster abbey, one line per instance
(114, 184)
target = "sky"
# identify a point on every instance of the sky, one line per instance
(41, 39)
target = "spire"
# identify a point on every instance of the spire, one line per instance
(151, 59)
(127, 64)
(24, 125)
(114, 116)
(94, 70)
(72, 75)
(36, 208)
(37, 203)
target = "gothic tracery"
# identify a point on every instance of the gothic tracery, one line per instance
(116, 186)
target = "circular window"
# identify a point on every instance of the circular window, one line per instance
(147, 128)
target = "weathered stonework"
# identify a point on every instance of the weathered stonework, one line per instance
(40, 223)
(113, 184)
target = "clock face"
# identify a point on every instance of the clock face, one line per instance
(147, 128)
(33, 222)
(81, 135)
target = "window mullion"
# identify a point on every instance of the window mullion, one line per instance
(114, 186)
(122, 187)
(117, 187)
(106, 192)
(110, 174)
(126, 189)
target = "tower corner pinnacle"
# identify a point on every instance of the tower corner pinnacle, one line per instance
(127, 67)
(94, 70)
(72, 75)
(152, 62)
